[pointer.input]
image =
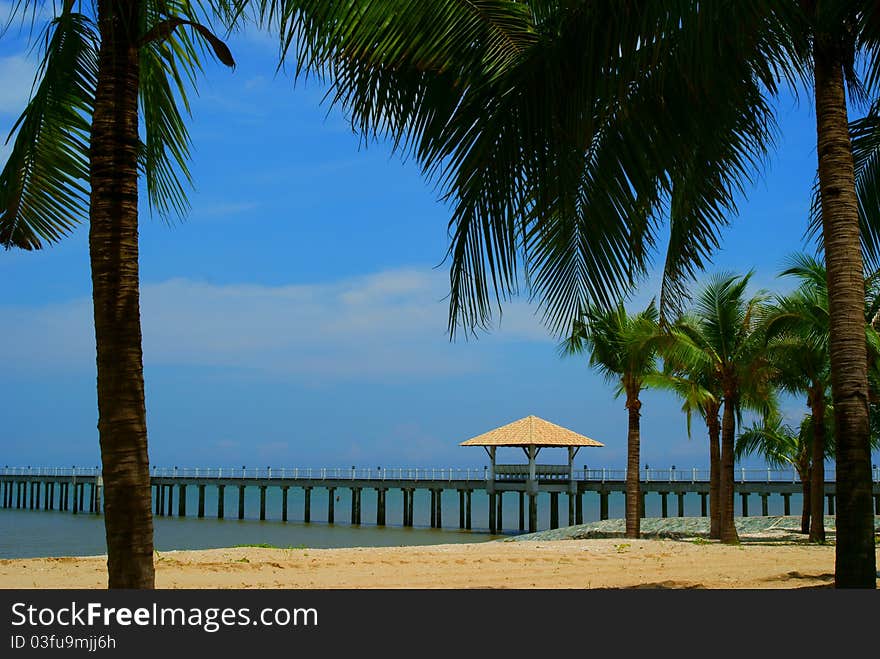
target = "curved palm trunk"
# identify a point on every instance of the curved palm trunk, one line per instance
(817, 471)
(855, 563)
(714, 472)
(805, 491)
(113, 249)
(633, 490)
(728, 429)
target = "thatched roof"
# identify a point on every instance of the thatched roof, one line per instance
(532, 431)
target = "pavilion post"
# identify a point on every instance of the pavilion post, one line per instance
(532, 489)
(490, 489)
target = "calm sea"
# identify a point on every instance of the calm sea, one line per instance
(28, 533)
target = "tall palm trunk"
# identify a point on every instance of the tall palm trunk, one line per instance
(855, 564)
(113, 248)
(817, 473)
(633, 490)
(714, 471)
(728, 429)
(806, 479)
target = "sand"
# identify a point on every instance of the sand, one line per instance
(593, 563)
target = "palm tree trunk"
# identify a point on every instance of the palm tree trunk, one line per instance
(817, 472)
(855, 563)
(805, 512)
(113, 248)
(728, 429)
(633, 490)
(714, 472)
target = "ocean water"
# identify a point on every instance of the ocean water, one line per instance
(31, 533)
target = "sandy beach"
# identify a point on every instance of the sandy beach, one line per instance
(593, 563)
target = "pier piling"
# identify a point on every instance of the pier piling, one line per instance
(680, 497)
(284, 503)
(745, 504)
(221, 501)
(830, 498)
(241, 502)
(201, 511)
(262, 503)
(181, 500)
(554, 510)
(330, 507)
(664, 509)
(765, 508)
(522, 511)
(307, 504)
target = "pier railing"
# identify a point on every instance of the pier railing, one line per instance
(671, 474)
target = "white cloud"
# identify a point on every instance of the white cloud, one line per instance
(389, 324)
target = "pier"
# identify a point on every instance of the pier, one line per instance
(79, 491)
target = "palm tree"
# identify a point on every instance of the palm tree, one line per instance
(563, 133)
(796, 331)
(623, 348)
(698, 389)
(720, 340)
(781, 445)
(78, 152)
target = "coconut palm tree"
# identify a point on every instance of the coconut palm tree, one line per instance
(698, 390)
(721, 342)
(781, 445)
(796, 332)
(562, 133)
(797, 328)
(108, 66)
(623, 348)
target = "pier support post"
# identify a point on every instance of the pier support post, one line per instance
(522, 511)
(221, 500)
(704, 510)
(331, 510)
(47, 498)
(380, 506)
(493, 527)
(533, 512)
(499, 512)
(745, 503)
(764, 505)
(571, 498)
(93, 493)
(156, 506)
(75, 498)
(579, 509)
(664, 506)
(440, 508)
(410, 506)
(170, 509)
(355, 505)
(603, 505)
(461, 509)
(181, 500)
(554, 510)
(405, 494)
(262, 503)
(680, 496)
(284, 503)
(307, 512)
(830, 498)
(82, 493)
(467, 517)
(786, 503)
(433, 508)
(201, 511)
(241, 502)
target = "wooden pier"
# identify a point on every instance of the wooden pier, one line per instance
(79, 491)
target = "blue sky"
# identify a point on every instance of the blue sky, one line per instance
(296, 316)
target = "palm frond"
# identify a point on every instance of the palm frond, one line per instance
(43, 192)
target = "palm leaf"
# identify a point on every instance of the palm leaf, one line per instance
(43, 191)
